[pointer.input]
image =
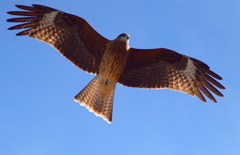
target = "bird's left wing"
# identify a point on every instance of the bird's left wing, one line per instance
(72, 36)
(164, 68)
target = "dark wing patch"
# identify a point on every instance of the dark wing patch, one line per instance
(163, 68)
(72, 36)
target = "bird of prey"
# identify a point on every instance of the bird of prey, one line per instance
(114, 61)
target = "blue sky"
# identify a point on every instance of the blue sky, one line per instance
(39, 116)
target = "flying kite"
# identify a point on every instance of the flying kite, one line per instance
(114, 61)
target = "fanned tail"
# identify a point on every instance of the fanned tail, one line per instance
(90, 97)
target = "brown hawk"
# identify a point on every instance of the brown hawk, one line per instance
(114, 61)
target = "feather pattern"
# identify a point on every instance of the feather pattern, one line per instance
(90, 97)
(164, 68)
(113, 60)
(69, 34)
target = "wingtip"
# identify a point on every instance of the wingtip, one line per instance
(213, 99)
(21, 6)
(18, 5)
(8, 20)
(213, 74)
(11, 12)
(12, 28)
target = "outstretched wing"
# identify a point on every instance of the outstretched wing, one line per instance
(72, 36)
(164, 68)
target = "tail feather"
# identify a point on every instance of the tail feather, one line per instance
(90, 97)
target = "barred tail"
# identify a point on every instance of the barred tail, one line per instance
(90, 97)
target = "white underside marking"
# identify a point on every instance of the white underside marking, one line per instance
(46, 25)
(48, 18)
(189, 74)
(190, 69)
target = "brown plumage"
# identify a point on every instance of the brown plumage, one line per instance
(98, 95)
(114, 61)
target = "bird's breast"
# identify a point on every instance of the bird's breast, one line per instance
(114, 61)
(111, 67)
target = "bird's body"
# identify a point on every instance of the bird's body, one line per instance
(102, 88)
(112, 65)
(114, 61)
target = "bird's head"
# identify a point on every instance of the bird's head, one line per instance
(124, 37)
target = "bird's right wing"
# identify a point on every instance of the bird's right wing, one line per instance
(72, 36)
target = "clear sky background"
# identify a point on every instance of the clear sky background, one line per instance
(38, 115)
